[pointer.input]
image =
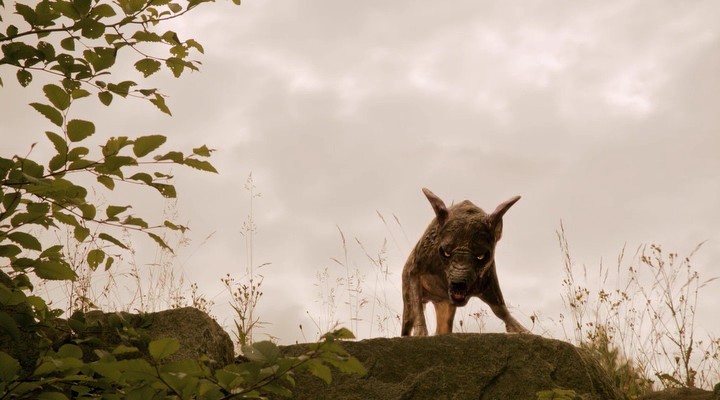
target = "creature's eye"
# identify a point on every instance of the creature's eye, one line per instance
(483, 256)
(444, 253)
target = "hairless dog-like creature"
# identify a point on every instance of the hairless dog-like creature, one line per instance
(453, 261)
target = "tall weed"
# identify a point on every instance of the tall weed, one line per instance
(641, 317)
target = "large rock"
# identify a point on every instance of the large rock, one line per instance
(462, 366)
(197, 332)
(683, 394)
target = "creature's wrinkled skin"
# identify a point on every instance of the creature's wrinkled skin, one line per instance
(453, 261)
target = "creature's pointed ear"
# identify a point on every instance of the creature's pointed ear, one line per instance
(495, 219)
(441, 211)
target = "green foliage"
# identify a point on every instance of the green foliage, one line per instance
(37, 195)
(69, 373)
(557, 394)
(79, 42)
(92, 36)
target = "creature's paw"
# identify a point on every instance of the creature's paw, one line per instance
(515, 327)
(420, 330)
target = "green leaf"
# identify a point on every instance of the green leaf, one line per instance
(52, 252)
(83, 6)
(47, 50)
(196, 45)
(344, 363)
(88, 211)
(203, 151)
(113, 211)
(58, 142)
(79, 93)
(101, 57)
(132, 6)
(105, 98)
(114, 145)
(90, 28)
(108, 370)
(108, 238)
(113, 163)
(51, 396)
(320, 370)
(167, 191)
(27, 13)
(68, 44)
(81, 233)
(175, 227)
(176, 65)
(146, 36)
(37, 209)
(95, 257)
(200, 164)
(70, 351)
(171, 37)
(71, 84)
(142, 177)
(9, 325)
(175, 8)
(122, 88)
(174, 156)
(66, 219)
(56, 162)
(342, 334)
(160, 241)
(107, 181)
(9, 367)
(130, 220)
(10, 201)
(162, 348)
(25, 240)
(49, 112)
(9, 250)
(24, 77)
(148, 66)
(54, 270)
(103, 11)
(109, 263)
(265, 352)
(78, 129)
(78, 153)
(179, 51)
(57, 96)
(144, 145)
(66, 9)
(159, 102)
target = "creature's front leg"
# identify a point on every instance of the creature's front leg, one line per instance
(445, 313)
(511, 324)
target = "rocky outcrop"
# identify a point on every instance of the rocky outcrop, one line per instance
(462, 366)
(197, 332)
(683, 394)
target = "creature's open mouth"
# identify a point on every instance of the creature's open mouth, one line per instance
(458, 292)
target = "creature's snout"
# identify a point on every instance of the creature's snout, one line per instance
(458, 292)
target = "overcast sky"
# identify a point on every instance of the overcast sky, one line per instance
(601, 114)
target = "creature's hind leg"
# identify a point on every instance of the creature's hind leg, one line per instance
(407, 319)
(413, 321)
